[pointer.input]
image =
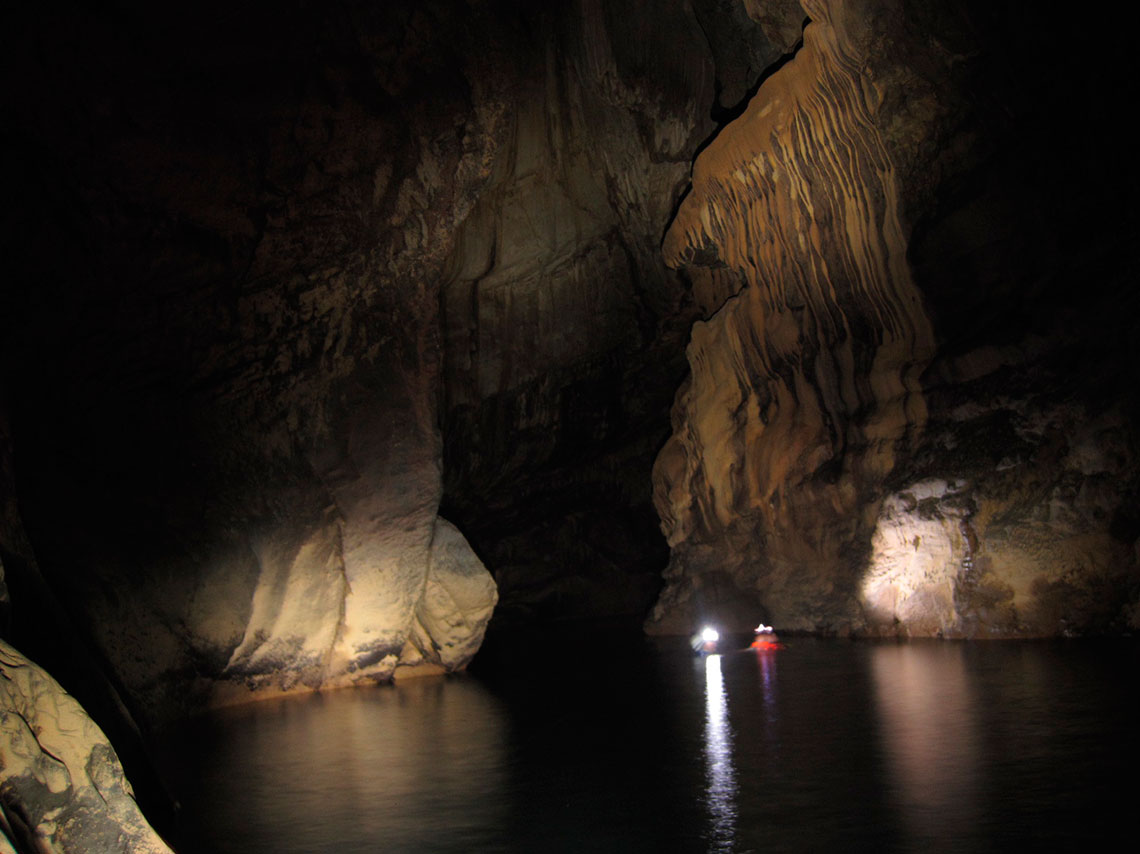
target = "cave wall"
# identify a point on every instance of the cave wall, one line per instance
(222, 363)
(308, 298)
(303, 304)
(563, 329)
(61, 785)
(911, 406)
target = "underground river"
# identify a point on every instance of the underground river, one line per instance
(624, 744)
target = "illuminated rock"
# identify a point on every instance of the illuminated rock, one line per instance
(804, 376)
(907, 403)
(457, 600)
(62, 788)
(314, 625)
(920, 548)
(1034, 537)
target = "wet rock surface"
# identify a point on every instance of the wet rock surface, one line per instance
(62, 788)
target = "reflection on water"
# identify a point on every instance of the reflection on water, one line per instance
(924, 747)
(929, 732)
(766, 662)
(720, 796)
(408, 767)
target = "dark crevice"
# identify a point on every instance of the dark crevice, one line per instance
(724, 116)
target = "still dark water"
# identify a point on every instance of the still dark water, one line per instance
(629, 745)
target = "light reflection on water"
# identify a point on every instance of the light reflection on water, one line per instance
(397, 768)
(821, 746)
(930, 736)
(720, 796)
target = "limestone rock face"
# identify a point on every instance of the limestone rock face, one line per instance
(804, 377)
(61, 786)
(284, 291)
(563, 329)
(1036, 534)
(458, 598)
(297, 279)
(223, 390)
(878, 434)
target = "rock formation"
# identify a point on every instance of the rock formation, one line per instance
(290, 284)
(853, 451)
(326, 328)
(563, 329)
(61, 786)
(222, 394)
(804, 377)
(299, 279)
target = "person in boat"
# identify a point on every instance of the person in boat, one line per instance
(766, 637)
(705, 641)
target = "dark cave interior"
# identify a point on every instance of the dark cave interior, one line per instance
(292, 290)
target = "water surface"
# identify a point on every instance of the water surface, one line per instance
(626, 745)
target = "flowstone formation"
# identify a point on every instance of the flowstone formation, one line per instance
(900, 417)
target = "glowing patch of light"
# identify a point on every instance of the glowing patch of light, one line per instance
(709, 634)
(931, 738)
(720, 797)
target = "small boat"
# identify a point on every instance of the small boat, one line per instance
(706, 641)
(766, 638)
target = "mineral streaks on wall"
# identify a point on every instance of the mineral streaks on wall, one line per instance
(804, 376)
(809, 481)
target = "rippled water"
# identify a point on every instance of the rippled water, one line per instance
(626, 745)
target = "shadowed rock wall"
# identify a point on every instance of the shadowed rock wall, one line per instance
(563, 328)
(284, 284)
(223, 368)
(291, 275)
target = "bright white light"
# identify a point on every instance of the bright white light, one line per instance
(709, 634)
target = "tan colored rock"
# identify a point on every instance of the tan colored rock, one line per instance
(908, 404)
(804, 380)
(62, 788)
(411, 606)
(458, 598)
(920, 548)
(1032, 539)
